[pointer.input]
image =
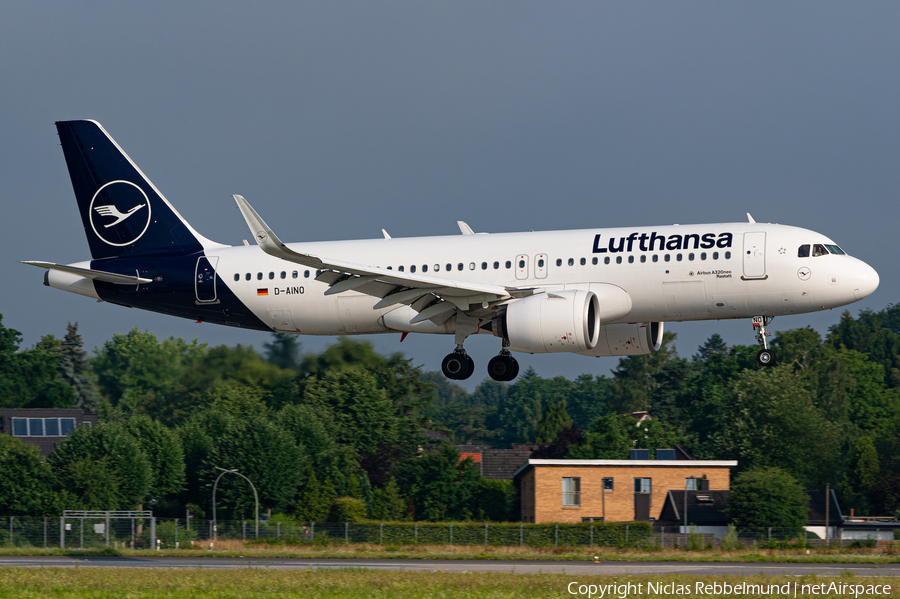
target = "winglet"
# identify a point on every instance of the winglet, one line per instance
(266, 238)
(464, 228)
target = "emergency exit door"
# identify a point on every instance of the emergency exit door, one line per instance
(755, 255)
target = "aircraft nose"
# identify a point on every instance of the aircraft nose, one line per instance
(865, 280)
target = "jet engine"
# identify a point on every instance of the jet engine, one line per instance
(632, 339)
(556, 321)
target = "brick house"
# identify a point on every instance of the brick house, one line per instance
(611, 490)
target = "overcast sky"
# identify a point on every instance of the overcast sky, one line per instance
(336, 119)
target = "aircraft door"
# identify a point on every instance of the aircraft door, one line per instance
(521, 266)
(755, 255)
(540, 266)
(205, 280)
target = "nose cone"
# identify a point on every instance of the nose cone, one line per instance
(865, 280)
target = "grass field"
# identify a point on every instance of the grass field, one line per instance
(96, 583)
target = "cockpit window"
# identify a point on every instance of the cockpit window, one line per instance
(803, 251)
(835, 249)
(819, 250)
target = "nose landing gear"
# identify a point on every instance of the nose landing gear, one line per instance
(503, 368)
(766, 356)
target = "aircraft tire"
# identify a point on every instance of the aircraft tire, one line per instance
(456, 367)
(766, 357)
(500, 368)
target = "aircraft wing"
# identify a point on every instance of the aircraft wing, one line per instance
(434, 298)
(98, 275)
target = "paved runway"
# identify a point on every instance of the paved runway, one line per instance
(521, 567)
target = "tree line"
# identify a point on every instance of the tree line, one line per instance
(339, 434)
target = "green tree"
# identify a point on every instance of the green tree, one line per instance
(387, 503)
(89, 484)
(861, 477)
(495, 500)
(441, 485)
(75, 370)
(554, 419)
(119, 452)
(162, 446)
(762, 497)
(28, 490)
(769, 419)
(28, 378)
(266, 455)
(283, 351)
(315, 500)
(363, 414)
(347, 509)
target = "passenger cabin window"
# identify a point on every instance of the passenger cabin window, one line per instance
(655, 258)
(559, 261)
(449, 267)
(803, 251)
(248, 276)
(618, 259)
(459, 266)
(400, 268)
(471, 266)
(630, 259)
(305, 274)
(237, 277)
(606, 260)
(643, 259)
(271, 275)
(571, 261)
(484, 265)
(594, 260)
(583, 261)
(508, 264)
(496, 265)
(295, 274)
(259, 276)
(728, 255)
(283, 275)
(412, 268)
(521, 264)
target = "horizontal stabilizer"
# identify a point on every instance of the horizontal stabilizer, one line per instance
(97, 275)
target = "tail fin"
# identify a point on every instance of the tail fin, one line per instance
(122, 211)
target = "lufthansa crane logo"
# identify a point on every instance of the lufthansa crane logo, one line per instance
(119, 213)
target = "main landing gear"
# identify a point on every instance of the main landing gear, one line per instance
(766, 356)
(503, 368)
(458, 366)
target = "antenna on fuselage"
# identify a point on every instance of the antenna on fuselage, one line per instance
(750, 219)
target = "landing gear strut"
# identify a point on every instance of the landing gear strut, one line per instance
(766, 356)
(504, 367)
(458, 366)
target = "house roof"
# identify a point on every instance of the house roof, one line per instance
(703, 507)
(653, 463)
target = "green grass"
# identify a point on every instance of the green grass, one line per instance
(97, 583)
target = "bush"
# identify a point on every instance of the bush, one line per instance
(763, 497)
(348, 509)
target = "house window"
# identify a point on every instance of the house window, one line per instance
(608, 484)
(642, 485)
(571, 492)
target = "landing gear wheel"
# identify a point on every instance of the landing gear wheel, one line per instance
(470, 368)
(766, 357)
(503, 368)
(500, 367)
(455, 366)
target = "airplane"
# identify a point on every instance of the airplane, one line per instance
(590, 292)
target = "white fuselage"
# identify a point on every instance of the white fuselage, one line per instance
(751, 269)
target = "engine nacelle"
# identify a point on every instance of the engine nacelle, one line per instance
(633, 339)
(556, 321)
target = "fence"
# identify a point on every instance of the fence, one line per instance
(147, 532)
